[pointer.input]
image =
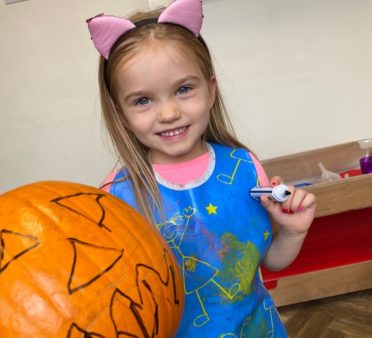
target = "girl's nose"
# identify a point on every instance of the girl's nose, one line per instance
(168, 113)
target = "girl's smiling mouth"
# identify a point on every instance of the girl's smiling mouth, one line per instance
(173, 132)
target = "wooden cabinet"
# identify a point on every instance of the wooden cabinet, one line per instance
(336, 257)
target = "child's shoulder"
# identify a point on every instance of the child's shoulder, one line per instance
(117, 177)
(240, 153)
(230, 150)
(119, 184)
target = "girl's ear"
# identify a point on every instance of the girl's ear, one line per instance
(212, 90)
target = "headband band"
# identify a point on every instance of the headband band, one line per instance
(145, 22)
(105, 30)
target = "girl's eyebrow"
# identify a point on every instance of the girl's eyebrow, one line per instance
(138, 93)
(186, 79)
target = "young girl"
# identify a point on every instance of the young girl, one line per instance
(184, 169)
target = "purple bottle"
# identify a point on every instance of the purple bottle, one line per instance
(366, 161)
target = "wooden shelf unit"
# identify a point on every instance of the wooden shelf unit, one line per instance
(336, 257)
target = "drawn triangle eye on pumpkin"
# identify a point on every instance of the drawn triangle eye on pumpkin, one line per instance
(146, 325)
(13, 246)
(76, 331)
(105, 258)
(94, 210)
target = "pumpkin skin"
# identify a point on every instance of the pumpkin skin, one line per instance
(78, 262)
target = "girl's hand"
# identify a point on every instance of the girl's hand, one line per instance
(296, 214)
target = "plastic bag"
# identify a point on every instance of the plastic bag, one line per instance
(326, 175)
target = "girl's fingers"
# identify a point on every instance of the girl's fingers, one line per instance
(265, 202)
(308, 202)
(298, 201)
(268, 204)
(286, 206)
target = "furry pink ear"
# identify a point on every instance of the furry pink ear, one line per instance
(105, 30)
(186, 13)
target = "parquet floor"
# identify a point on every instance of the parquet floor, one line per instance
(345, 316)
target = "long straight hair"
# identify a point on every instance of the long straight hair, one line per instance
(133, 155)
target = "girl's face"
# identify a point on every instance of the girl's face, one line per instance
(166, 101)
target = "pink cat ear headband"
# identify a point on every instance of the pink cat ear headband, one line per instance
(105, 30)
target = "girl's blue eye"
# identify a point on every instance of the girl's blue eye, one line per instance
(183, 90)
(142, 101)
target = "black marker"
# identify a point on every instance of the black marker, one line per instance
(279, 193)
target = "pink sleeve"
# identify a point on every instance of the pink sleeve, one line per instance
(262, 177)
(106, 185)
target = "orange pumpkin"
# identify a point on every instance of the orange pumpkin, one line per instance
(78, 262)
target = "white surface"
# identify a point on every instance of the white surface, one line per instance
(297, 75)
(49, 103)
(7, 2)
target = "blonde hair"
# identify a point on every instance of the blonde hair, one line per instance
(133, 154)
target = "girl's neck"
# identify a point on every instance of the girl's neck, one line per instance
(182, 173)
(198, 151)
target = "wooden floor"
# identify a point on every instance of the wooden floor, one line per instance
(345, 316)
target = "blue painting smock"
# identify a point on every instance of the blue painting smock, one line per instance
(219, 235)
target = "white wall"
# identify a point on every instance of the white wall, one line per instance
(297, 75)
(50, 125)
